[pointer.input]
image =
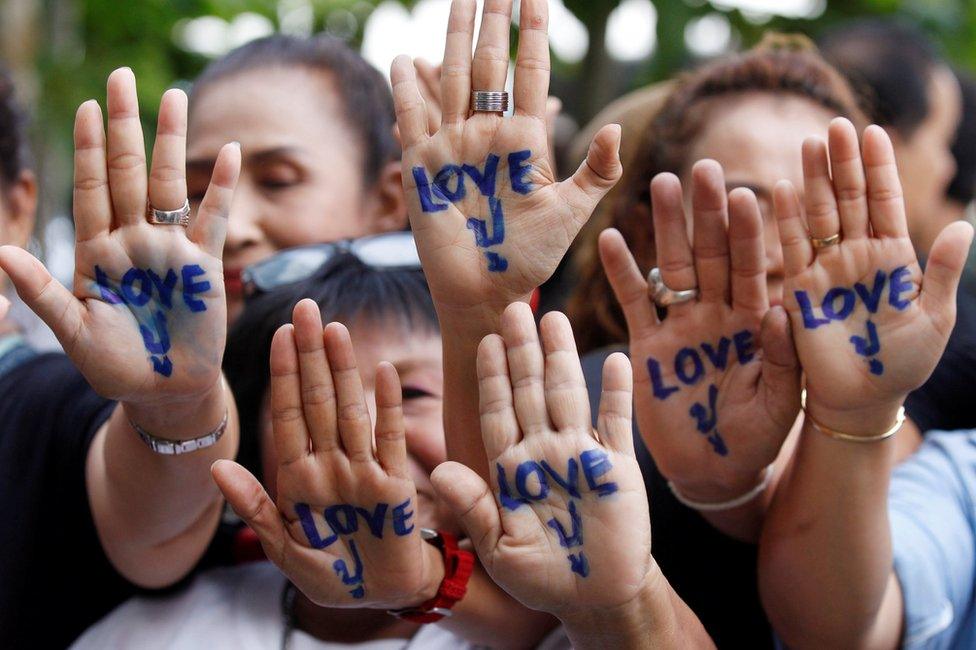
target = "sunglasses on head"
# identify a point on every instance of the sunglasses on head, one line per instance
(386, 251)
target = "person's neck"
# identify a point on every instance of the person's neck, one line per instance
(348, 625)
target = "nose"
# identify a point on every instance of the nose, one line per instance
(244, 230)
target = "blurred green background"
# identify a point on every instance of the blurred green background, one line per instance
(60, 51)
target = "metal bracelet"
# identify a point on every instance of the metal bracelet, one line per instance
(169, 447)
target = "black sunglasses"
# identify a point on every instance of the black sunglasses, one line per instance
(386, 251)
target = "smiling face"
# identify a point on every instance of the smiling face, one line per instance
(757, 139)
(302, 180)
(416, 354)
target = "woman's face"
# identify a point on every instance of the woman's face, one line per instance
(757, 139)
(417, 358)
(302, 178)
(925, 162)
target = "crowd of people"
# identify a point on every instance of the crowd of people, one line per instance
(308, 397)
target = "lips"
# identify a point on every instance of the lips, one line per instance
(233, 284)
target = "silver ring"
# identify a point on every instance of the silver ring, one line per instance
(662, 295)
(489, 101)
(179, 217)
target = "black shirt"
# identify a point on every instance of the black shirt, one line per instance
(946, 401)
(714, 574)
(55, 580)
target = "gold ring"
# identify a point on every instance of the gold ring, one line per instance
(824, 242)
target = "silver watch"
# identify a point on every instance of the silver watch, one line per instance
(176, 447)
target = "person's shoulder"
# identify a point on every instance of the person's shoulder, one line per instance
(52, 371)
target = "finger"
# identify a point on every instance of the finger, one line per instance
(886, 204)
(673, 251)
(747, 252)
(251, 502)
(797, 249)
(456, 69)
(391, 440)
(531, 86)
(818, 192)
(208, 228)
(945, 265)
(565, 388)
(499, 426)
(629, 286)
(318, 392)
(287, 416)
(167, 177)
(430, 90)
(616, 405)
(92, 200)
(411, 112)
(710, 243)
(526, 366)
(468, 497)
(489, 69)
(780, 365)
(126, 149)
(848, 173)
(45, 296)
(595, 177)
(355, 428)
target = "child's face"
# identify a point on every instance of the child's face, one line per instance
(417, 357)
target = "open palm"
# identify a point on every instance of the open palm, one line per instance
(147, 317)
(717, 382)
(344, 529)
(570, 528)
(491, 221)
(862, 303)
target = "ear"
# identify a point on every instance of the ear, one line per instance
(19, 204)
(386, 207)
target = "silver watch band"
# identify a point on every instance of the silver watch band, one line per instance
(176, 447)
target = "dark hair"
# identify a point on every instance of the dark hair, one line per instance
(962, 189)
(781, 65)
(365, 94)
(890, 64)
(14, 156)
(346, 290)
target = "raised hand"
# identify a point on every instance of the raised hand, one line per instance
(564, 527)
(868, 327)
(717, 382)
(490, 220)
(146, 320)
(344, 529)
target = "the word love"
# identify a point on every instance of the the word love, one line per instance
(839, 303)
(690, 363)
(344, 519)
(532, 484)
(138, 287)
(449, 186)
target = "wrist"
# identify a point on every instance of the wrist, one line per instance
(181, 418)
(864, 421)
(433, 576)
(721, 489)
(637, 622)
(479, 316)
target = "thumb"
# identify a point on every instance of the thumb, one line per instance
(780, 378)
(596, 175)
(942, 271)
(46, 297)
(468, 497)
(251, 502)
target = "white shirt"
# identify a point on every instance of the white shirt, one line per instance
(236, 608)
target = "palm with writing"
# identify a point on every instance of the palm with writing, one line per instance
(490, 220)
(146, 321)
(570, 528)
(717, 382)
(858, 305)
(344, 529)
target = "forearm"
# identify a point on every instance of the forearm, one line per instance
(461, 331)
(825, 555)
(155, 514)
(656, 618)
(488, 616)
